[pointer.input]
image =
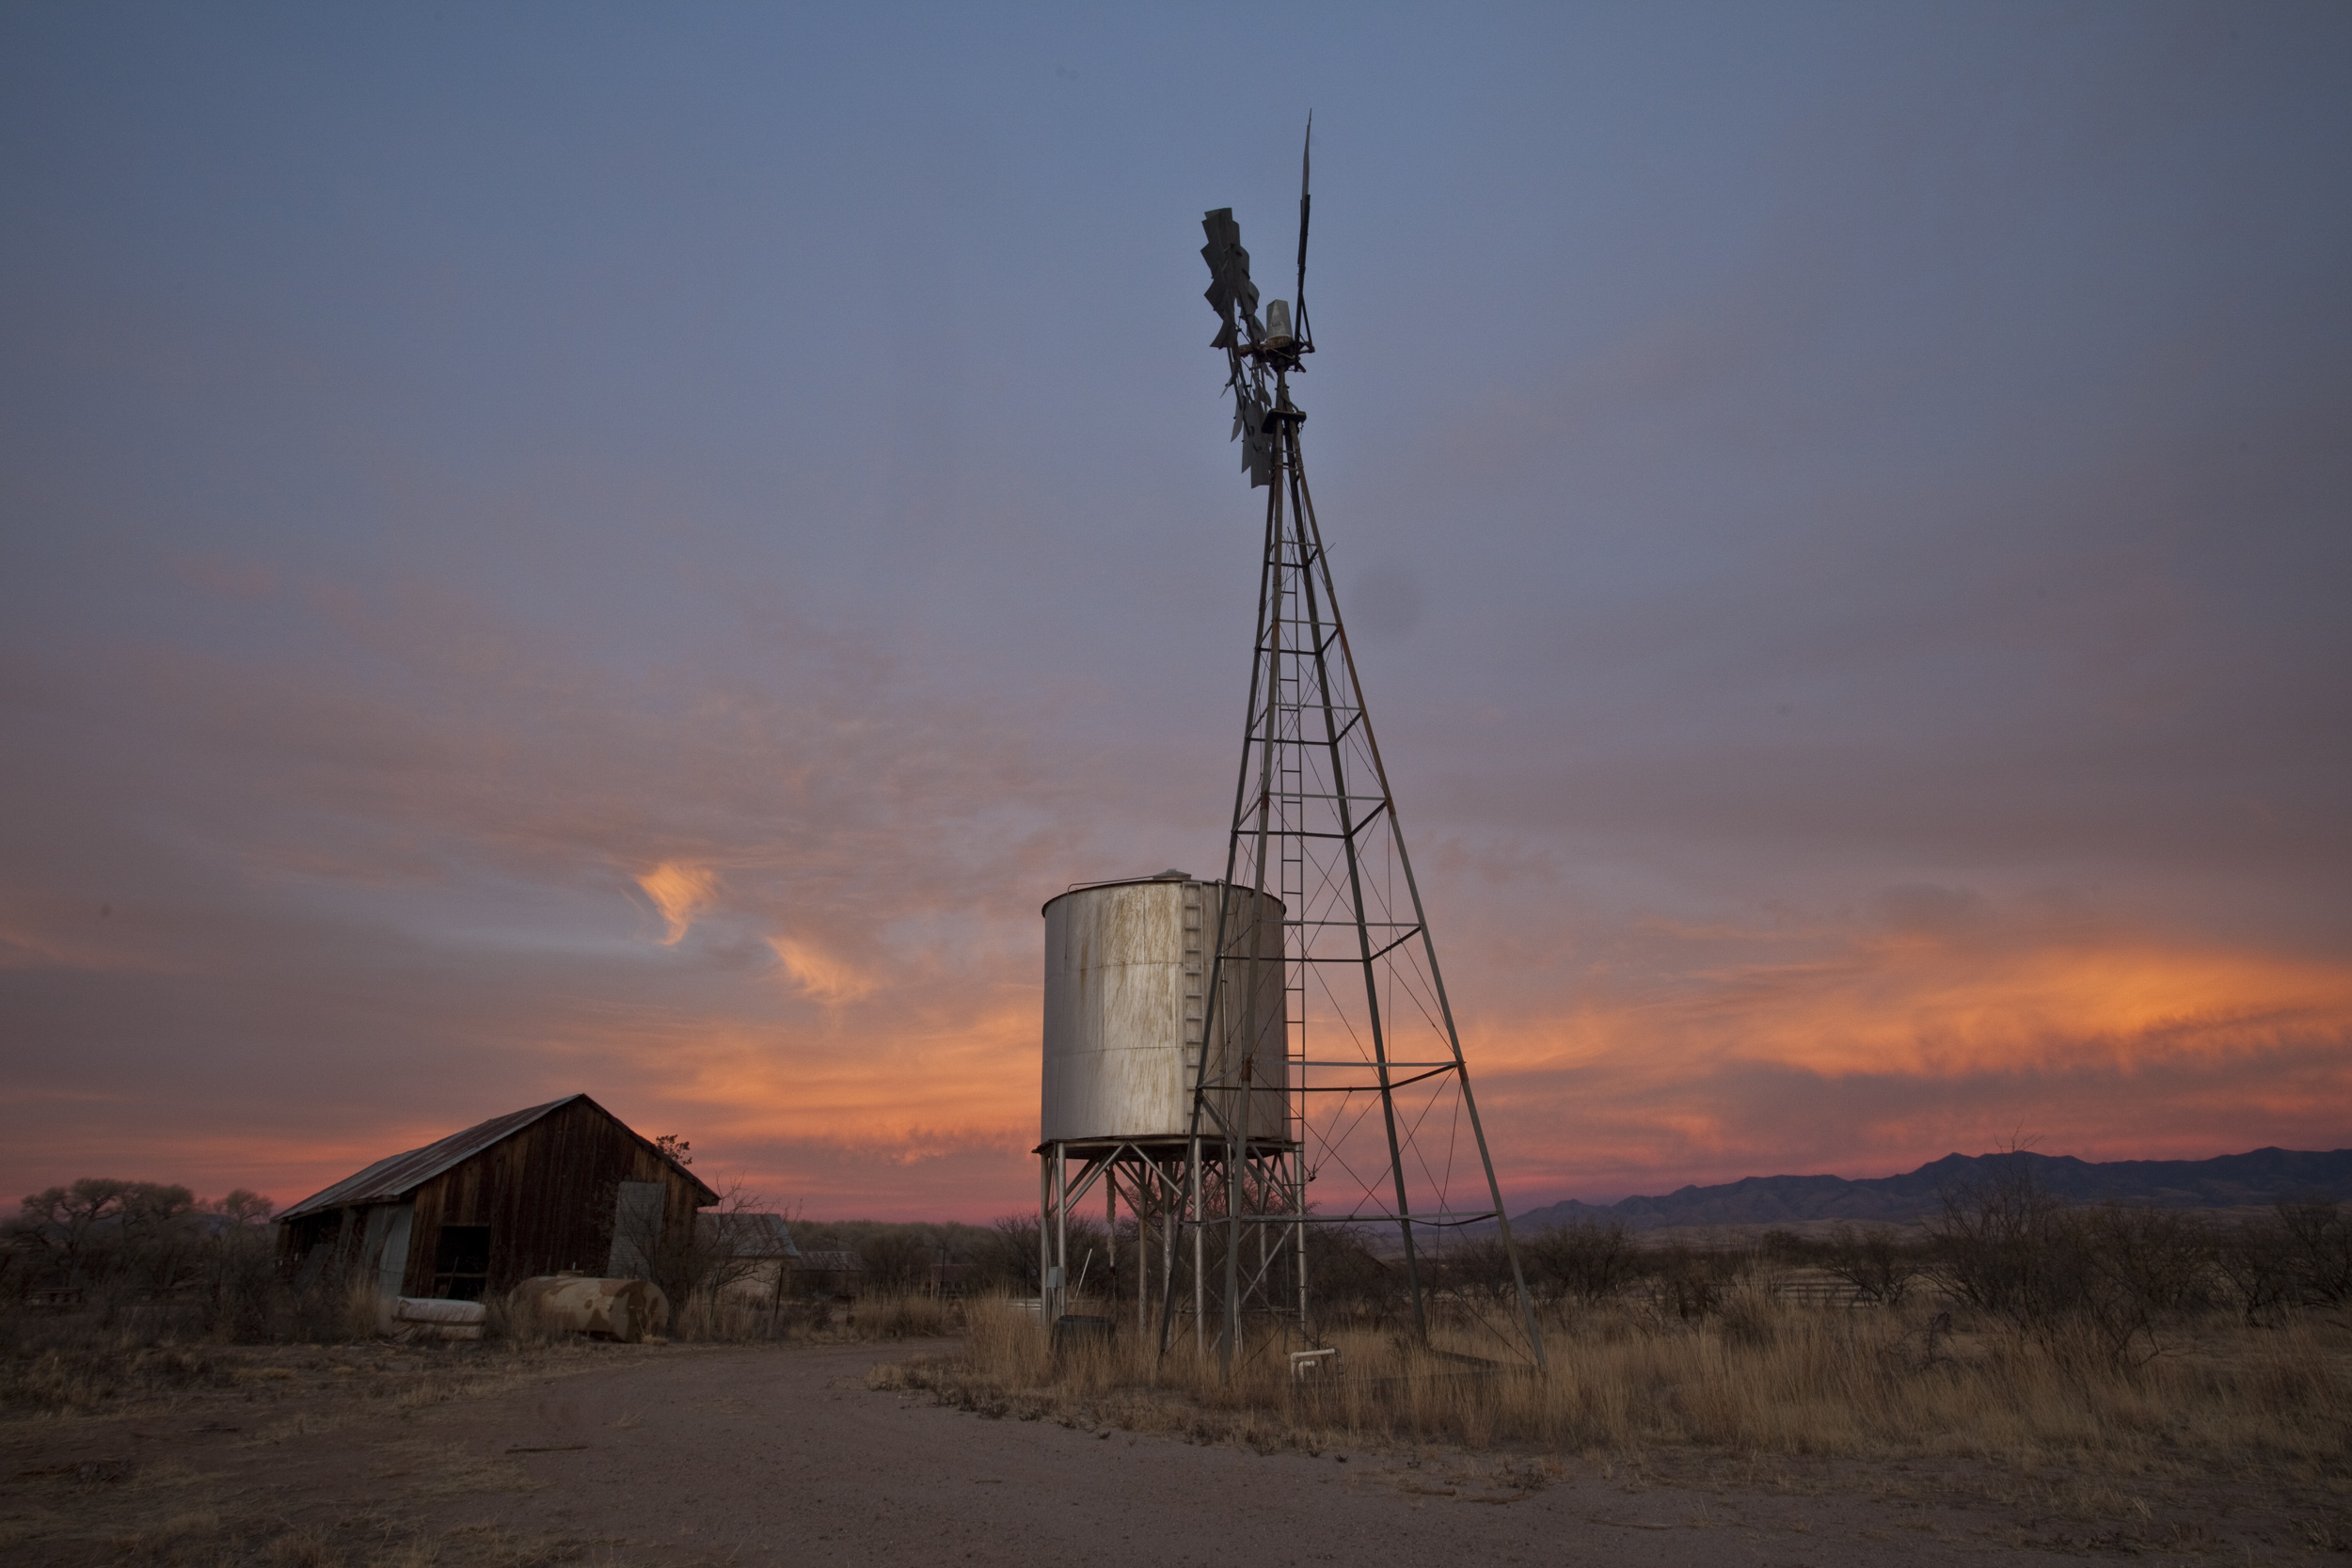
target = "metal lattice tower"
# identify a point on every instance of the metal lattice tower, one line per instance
(1382, 1127)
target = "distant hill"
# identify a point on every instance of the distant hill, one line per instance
(2230, 1182)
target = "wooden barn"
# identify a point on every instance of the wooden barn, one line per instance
(563, 1185)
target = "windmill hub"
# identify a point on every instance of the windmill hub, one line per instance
(1278, 324)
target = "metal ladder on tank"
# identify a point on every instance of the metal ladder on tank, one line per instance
(1196, 994)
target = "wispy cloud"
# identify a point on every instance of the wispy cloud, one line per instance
(679, 889)
(822, 976)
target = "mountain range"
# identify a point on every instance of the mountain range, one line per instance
(2227, 1182)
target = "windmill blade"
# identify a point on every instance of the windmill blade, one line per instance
(1224, 234)
(1231, 294)
(1306, 201)
(1234, 298)
(1251, 428)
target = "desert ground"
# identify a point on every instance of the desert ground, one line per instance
(302, 1457)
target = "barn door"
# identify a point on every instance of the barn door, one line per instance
(636, 1230)
(461, 1262)
(391, 1270)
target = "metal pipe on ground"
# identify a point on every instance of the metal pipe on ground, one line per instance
(413, 1317)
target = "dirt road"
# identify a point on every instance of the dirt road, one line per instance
(781, 1455)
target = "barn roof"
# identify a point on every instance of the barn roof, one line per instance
(828, 1262)
(391, 1178)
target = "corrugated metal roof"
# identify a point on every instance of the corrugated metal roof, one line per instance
(389, 1180)
(828, 1262)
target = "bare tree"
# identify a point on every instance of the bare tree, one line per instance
(1587, 1263)
(2317, 1237)
(1012, 1258)
(720, 1248)
(69, 1224)
(242, 1206)
(1873, 1262)
(1997, 1244)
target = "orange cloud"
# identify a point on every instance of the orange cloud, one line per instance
(1873, 1052)
(680, 890)
(936, 1078)
(820, 975)
(1932, 1007)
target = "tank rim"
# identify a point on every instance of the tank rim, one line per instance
(1162, 880)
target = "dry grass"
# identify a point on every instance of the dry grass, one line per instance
(730, 1318)
(913, 1317)
(63, 1364)
(734, 1320)
(1765, 1379)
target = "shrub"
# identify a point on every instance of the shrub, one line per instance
(2317, 1249)
(1585, 1262)
(1874, 1262)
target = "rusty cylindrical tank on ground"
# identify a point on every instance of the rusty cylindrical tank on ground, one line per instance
(624, 1310)
(1127, 967)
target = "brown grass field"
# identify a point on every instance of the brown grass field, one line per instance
(1842, 1430)
(1759, 1377)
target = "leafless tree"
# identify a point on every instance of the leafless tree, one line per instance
(1873, 1262)
(127, 1220)
(1999, 1245)
(716, 1251)
(2318, 1249)
(1587, 1263)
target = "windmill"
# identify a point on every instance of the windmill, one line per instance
(1381, 1128)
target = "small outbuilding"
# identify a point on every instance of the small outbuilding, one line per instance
(563, 1185)
(834, 1272)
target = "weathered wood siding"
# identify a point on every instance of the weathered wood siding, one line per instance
(547, 1194)
(296, 1240)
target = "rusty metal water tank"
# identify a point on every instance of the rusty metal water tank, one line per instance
(1127, 967)
(573, 1303)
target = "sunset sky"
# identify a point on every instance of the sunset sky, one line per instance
(628, 549)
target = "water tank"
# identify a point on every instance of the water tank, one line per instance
(1126, 986)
